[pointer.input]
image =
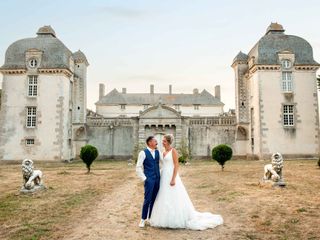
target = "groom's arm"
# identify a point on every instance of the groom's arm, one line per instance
(139, 166)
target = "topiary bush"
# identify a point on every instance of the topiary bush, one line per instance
(182, 159)
(88, 154)
(221, 154)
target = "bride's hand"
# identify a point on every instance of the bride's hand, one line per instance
(172, 183)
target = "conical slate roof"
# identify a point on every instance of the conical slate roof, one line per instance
(79, 57)
(241, 57)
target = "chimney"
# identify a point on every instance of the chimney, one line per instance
(170, 89)
(217, 93)
(101, 91)
(151, 89)
(195, 91)
(124, 90)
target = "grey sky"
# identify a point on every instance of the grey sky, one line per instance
(186, 43)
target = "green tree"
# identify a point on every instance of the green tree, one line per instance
(88, 154)
(221, 154)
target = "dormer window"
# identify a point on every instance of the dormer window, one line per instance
(33, 63)
(286, 64)
(251, 61)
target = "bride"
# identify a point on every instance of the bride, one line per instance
(173, 207)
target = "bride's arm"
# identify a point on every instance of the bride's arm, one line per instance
(161, 160)
(176, 166)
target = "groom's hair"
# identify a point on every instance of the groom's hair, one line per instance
(149, 139)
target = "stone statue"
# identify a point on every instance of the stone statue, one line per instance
(273, 171)
(32, 179)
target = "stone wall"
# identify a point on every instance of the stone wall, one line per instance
(117, 138)
(206, 133)
(114, 138)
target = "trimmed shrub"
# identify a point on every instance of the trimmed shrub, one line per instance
(182, 159)
(221, 154)
(88, 154)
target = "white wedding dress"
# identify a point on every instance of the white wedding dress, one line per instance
(173, 207)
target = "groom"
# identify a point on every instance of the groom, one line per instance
(148, 170)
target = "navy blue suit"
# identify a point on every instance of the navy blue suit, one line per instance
(152, 182)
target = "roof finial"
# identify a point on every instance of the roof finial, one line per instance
(46, 30)
(274, 27)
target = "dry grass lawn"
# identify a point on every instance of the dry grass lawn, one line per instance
(106, 204)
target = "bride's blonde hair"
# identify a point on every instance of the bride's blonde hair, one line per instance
(169, 138)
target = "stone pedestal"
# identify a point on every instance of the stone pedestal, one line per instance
(270, 183)
(32, 190)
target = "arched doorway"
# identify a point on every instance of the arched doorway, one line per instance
(159, 137)
(159, 120)
(242, 133)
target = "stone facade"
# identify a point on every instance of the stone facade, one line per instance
(123, 104)
(43, 99)
(276, 97)
(124, 120)
(119, 137)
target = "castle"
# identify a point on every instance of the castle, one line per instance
(44, 116)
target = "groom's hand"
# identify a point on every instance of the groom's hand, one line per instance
(172, 183)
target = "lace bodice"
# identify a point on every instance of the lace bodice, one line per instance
(167, 160)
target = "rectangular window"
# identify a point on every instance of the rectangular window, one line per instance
(145, 106)
(29, 141)
(196, 107)
(287, 81)
(122, 106)
(177, 107)
(31, 117)
(288, 115)
(32, 86)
